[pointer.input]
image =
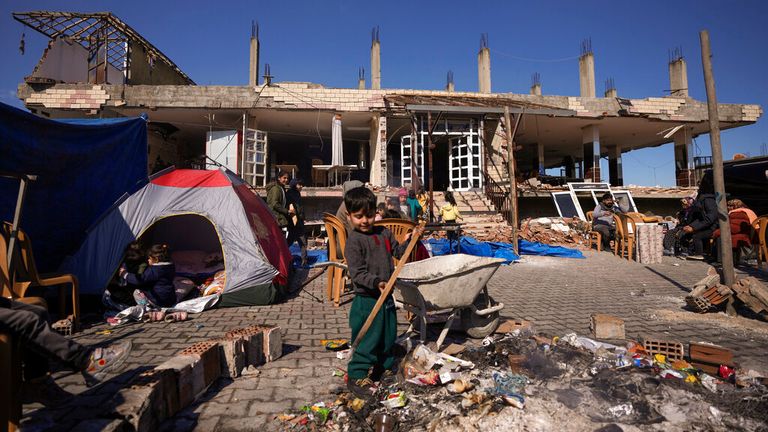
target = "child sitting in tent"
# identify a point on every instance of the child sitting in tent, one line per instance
(119, 296)
(155, 285)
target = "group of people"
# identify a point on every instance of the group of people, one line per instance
(697, 224)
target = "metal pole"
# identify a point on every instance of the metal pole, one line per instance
(717, 167)
(512, 176)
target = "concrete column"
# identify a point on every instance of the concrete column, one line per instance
(375, 60)
(678, 77)
(449, 87)
(538, 161)
(361, 79)
(684, 168)
(587, 75)
(536, 89)
(569, 165)
(615, 170)
(253, 67)
(484, 70)
(611, 93)
(378, 150)
(590, 137)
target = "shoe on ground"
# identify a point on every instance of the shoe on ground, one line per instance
(44, 391)
(105, 361)
(695, 257)
(362, 388)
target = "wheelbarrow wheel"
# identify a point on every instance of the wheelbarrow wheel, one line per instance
(479, 326)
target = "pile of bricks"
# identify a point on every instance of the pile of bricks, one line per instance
(158, 394)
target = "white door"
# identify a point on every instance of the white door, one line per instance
(255, 157)
(465, 167)
(406, 174)
(221, 149)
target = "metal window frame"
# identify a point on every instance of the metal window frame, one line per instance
(579, 210)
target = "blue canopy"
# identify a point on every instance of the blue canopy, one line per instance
(83, 167)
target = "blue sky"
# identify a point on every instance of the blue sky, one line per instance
(326, 42)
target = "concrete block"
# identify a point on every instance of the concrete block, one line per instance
(233, 356)
(273, 343)
(183, 368)
(143, 404)
(606, 327)
(209, 366)
(253, 338)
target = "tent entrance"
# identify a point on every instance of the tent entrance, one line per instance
(192, 241)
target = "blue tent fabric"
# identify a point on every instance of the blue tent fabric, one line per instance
(315, 256)
(83, 167)
(472, 246)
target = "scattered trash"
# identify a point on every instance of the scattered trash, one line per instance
(356, 404)
(198, 326)
(384, 422)
(395, 400)
(104, 332)
(338, 372)
(317, 411)
(621, 410)
(341, 355)
(335, 344)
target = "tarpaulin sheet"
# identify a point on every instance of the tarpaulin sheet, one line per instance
(314, 256)
(472, 246)
(83, 165)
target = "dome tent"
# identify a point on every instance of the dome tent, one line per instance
(210, 210)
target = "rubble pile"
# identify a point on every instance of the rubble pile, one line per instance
(709, 295)
(523, 381)
(556, 231)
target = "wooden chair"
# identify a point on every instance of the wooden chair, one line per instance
(26, 276)
(337, 241)
(760, 226)
(625, 235)
(595, 238)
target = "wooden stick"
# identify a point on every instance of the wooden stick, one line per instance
(388, 288)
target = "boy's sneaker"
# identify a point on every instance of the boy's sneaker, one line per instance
(104, 361)
(363, 388)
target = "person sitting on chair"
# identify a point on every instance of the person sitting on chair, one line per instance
(602, 219)
(29, 323)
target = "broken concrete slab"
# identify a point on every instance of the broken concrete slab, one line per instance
(510, 326)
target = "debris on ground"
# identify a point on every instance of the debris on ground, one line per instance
(571, 232)
(710, 295)
(536, 382)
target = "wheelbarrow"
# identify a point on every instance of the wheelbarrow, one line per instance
(450, 287)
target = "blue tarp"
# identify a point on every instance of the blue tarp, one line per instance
(83, 165)
(472, 246)
(313, 256)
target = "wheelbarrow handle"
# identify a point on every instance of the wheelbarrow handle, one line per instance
(389, 286)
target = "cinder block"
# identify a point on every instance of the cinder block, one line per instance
(209, 366)
(233, 356)
(183, 368)
(606, 326)
(143, 404)
(253, 338)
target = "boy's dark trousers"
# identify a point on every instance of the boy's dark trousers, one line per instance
(30, 324)
(375, 350)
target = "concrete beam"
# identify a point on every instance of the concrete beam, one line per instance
(685, 173)
(678, 78)
(587, 75)
(484, 70)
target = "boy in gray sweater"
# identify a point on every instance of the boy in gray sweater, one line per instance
(369, 253)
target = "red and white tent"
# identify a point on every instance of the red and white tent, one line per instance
(210, 211)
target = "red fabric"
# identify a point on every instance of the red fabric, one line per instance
(741, 229)
(421, 252)
(185, 178)
(389, 245)
(269, 235)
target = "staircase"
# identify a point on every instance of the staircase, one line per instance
(476, 209)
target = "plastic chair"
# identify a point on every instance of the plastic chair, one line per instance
(26, 276)
(595, 238)
(10, 351)
(625, 235)
(760, 226)
(400, 228)
(336, 232)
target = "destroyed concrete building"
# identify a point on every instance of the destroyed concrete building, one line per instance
(96, 65)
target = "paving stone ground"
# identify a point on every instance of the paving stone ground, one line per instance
(557, 294)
